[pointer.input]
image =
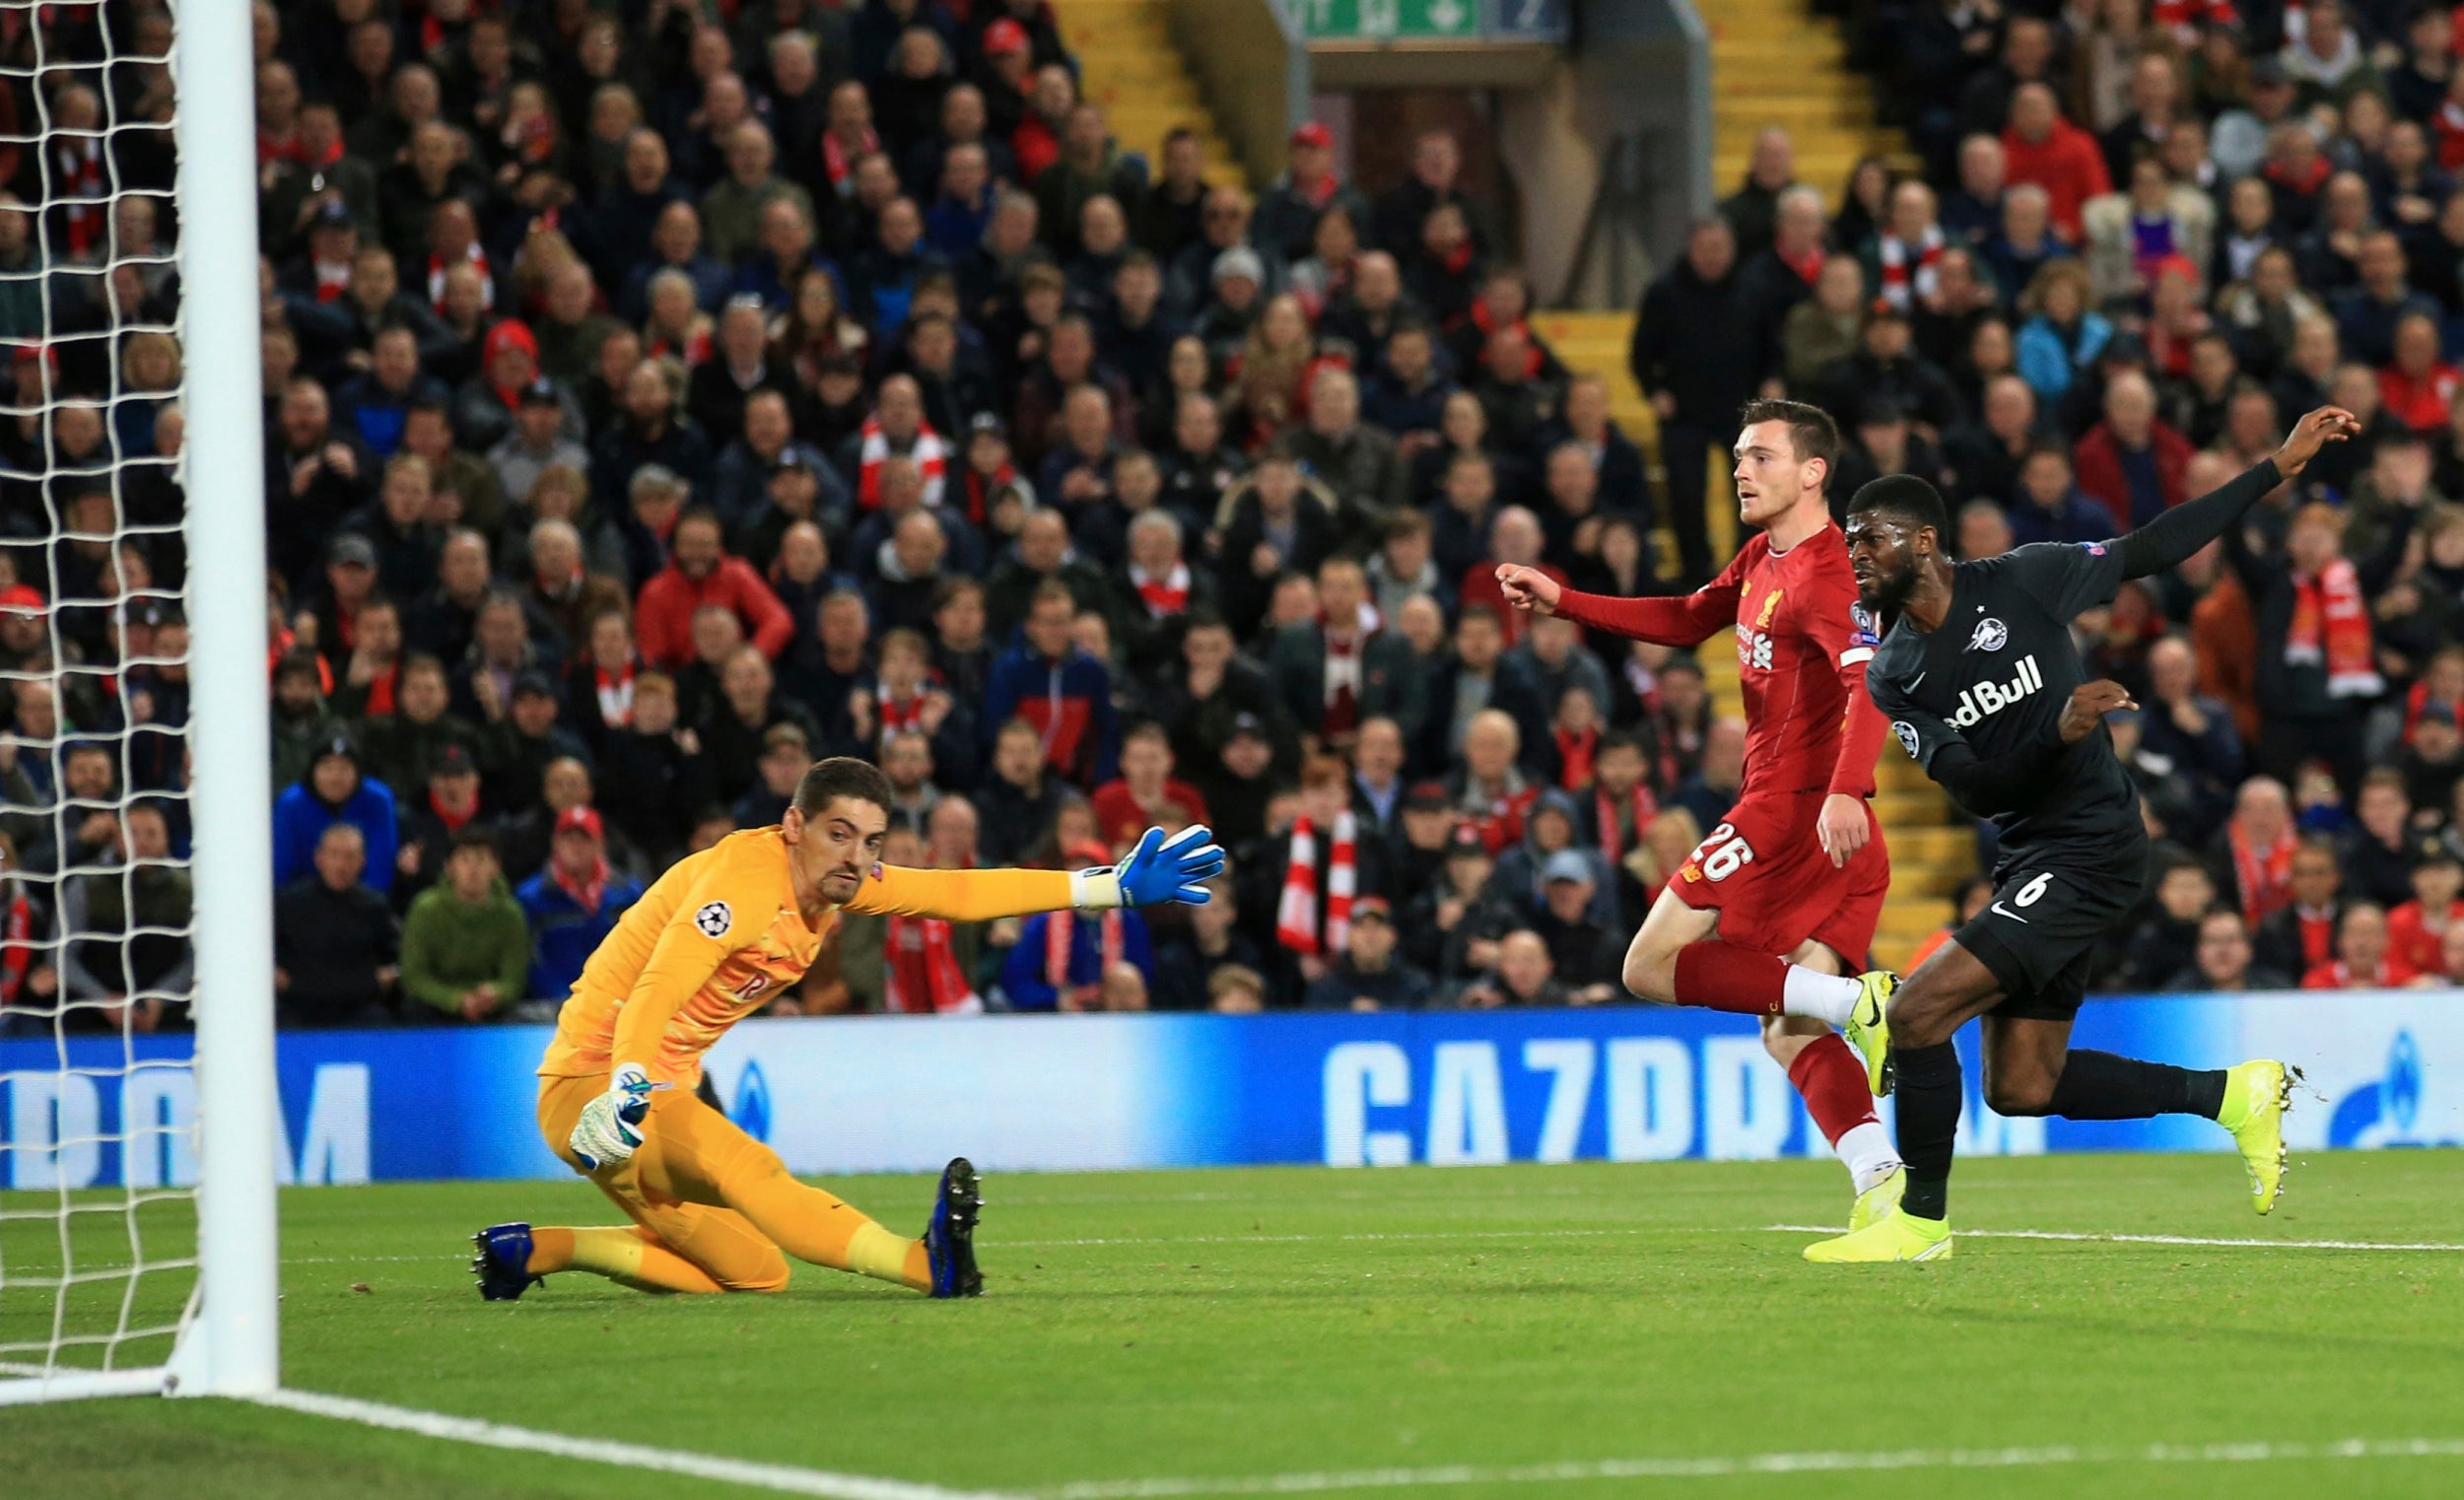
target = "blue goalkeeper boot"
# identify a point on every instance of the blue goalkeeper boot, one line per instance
(949, 1239)
(502, 1264)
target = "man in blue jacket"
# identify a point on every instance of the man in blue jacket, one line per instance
(334, 790)
(572, 903)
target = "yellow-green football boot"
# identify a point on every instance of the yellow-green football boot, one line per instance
(2256, 1097)
(1894, 1237)
(1869, 1028)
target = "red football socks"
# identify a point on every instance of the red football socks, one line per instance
(1831, 1081)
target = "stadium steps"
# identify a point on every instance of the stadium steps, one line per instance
(1130, 66)
(1773, 62)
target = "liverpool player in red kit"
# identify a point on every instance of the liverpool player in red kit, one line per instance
(1776, 907)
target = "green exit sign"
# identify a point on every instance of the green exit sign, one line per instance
(1382, 20)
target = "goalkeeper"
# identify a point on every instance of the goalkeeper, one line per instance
(722, 931)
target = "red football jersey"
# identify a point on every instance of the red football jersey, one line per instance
(1802, 645)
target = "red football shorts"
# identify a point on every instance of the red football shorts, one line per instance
(1764, 871)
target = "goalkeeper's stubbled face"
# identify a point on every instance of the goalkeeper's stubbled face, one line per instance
(839, 846)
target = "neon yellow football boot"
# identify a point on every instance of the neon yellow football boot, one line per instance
(1878, 1202)
(1893, 1238)
(1869, 1028)
(2256, 1097)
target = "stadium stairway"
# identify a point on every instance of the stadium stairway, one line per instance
(1130, 66)
(1774, 62)
(1932, 847)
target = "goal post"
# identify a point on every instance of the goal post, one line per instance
(231, 1344)
(119, 1150)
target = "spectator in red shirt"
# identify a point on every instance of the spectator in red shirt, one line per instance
(2130, 460)
(2417, 930)
(1515, 539)
(2043, 147)
(2362, 957)
(1136, 799)
(2417, 384)
(700, 573)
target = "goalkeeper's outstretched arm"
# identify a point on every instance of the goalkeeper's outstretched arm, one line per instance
(1158, 870)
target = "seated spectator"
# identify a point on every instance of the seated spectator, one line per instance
(1063, 693)
(124, 962)
(700, 574)
(336, 941)
(786, 756)
(1144, 795)
(1187, 965)
(2362, 957)
(2130, 462)
(1586, 955)
(2417, 930)
(2379, 854)
(1522, 979)
(1369, 974)
(2049, 507)
(334, 790)
(2224, 965)
(2302, 936)
(572, 903)
(464, 945)
(2167, 941)
(1063, 959)
(430, 826)
(400, 748)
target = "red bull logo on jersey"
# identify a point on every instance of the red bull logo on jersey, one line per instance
(1993, 697)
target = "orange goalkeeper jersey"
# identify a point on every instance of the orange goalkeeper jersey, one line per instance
(721, 933)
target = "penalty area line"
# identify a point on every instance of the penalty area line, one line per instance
(2146, 1239)
(783, 1478)
(1754, 1463)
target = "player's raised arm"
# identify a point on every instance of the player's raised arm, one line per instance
(1686, 620)
(1159, 870)
(2168, 540)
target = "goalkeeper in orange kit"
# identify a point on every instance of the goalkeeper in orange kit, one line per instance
(713, 1210)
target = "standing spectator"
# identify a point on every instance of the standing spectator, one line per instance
(1308, 188)
(1344, 669)
(1694, 356)
(1059, 690)
(336, 942)
(2362, 959)
(334, 790)
(1145, 795)
(2046, 150)
(464, 945)
(2224, 962)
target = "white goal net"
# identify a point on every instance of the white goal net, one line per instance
(101, 778)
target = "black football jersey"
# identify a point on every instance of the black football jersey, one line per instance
(1996, 675)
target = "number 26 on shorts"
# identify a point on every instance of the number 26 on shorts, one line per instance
(1723, 853)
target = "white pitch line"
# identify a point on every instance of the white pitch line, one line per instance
(1751, 1464)
(2145, 1239)
(785, 1480)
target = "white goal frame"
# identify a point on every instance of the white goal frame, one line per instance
(229, 1339)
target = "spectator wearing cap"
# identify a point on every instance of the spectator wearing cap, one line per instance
(1370, 975)
(1062, 958)
(786, 756)
(572, 903)
(443, 803)
(1585, 953)
(334, 790)
(466, 947)
(1290, 207)
(517, 748)
(484, 406)
(336, 942)
(536, 441)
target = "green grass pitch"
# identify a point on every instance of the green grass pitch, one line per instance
(1251, 1324)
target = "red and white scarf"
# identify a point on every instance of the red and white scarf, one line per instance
(333, 278)
(923, 977)
(930, 456)
(2264, 875)
(1575, 754)
(1640, 804)
(1166, 596)
(81, 192)
(1904, 275)
(1296, 919)
(1061, 934)
(586, 894)
(615, 691)
(1342, 684)
(2331, 627)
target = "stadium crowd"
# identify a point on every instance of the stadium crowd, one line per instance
(659, 399)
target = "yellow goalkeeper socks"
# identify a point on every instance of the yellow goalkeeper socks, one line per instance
(815, 1227)
(623, 1256)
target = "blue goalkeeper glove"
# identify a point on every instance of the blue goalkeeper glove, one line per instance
(1158, 870)
(605, 1134)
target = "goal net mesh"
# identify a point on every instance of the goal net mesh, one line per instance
(98, 1158)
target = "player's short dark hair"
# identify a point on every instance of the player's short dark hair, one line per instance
(1903, 497)
(842, 776)
(1811, 430)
